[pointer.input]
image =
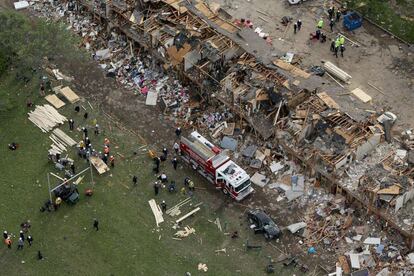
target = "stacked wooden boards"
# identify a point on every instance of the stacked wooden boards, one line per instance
(99, 165)
(69, 94)
(156, 211)
(46, 117)
(175, 210)
(55, 101)
(60, 141)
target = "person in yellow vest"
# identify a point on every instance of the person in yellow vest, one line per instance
(342, 40)
(320, 24)
(337, 45)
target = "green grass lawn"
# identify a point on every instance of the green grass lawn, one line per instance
(395, 19)
(128, 242)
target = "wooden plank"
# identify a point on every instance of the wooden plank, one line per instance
(187, 215)
(328, 100)
(290, 68)
(68, 93)
(364, 97)
(344, 264)
(99, 165)
(55, 101)
(392, 190)
(156, 211)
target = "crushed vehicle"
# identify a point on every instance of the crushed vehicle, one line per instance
(263, 223)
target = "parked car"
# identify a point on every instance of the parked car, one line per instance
(263, 224)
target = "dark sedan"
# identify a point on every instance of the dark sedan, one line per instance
(263, 224)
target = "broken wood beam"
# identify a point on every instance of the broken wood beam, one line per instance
(187, 215)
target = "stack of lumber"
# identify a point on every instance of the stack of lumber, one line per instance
(185, 233)
(175, 210)
(69, 94)
(55, 101)
(337, 72)
(156, 211)
(46, 117)
(60, 141)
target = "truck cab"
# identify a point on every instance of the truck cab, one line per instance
(233, 180)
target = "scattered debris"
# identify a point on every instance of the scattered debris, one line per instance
(185, 233)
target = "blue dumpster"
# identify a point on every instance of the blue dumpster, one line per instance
(352, 21)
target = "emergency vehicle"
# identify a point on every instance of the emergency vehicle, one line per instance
(215, 165)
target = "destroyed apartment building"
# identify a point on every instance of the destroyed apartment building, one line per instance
(338, 143)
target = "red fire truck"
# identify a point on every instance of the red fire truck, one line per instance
(215, 165)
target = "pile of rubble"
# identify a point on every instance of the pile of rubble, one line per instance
(269, 98)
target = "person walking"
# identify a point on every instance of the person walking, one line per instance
(165, 153)
(295, 27)
(320, 24)
(85, 116)
(176, 148)
(318, 34)
(156, 188)
(178, 132)
(106, 142)
(77, 108)
(71, 124)
(157, 162)
(20, 244)
(96, 129)
(332, 46)
(39, 255)
(96, 224)
(191, 185)
(112, 161)
(21, 235)
(338, 15)
(342, 48)
(342, 40)
(175, 163)
(8, 241)
(299, 23)
(135, 180)
(163, 206)
(331, 24)
(106, 150)
(323, 37)
(85, 132)
(30, 240)
(72, 167)
(337, 45)
(331, 13)
(105, 158)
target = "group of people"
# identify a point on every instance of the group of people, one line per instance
(85, 149)
(8, 237)
(338, 44)
(163, 180)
